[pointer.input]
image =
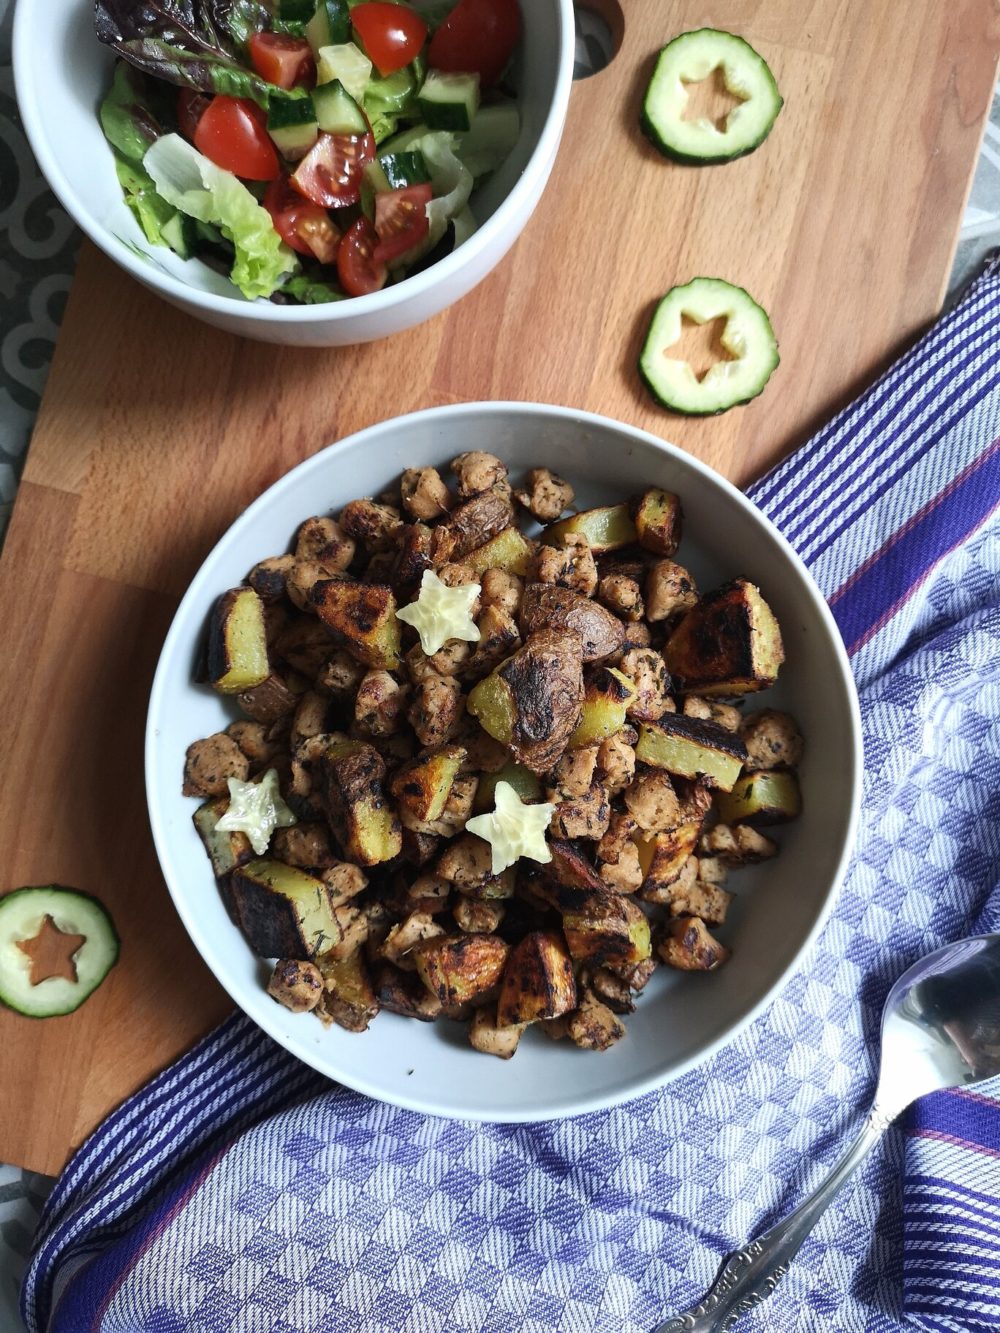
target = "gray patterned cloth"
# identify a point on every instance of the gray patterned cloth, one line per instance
(38, 248)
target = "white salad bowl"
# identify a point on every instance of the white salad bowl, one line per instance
(681, 1018)
(62, 72)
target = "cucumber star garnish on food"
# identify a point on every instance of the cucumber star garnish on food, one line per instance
(256, 809)
(514, 829)
(441, 613)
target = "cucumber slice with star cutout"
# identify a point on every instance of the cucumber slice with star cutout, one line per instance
(747, 338)
(64, 933)
(690, 58)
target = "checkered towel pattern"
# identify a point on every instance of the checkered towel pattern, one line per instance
(240, 1193)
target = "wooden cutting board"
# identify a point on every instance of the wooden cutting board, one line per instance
(156, 431)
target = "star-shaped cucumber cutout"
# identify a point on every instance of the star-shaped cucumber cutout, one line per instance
(256, 809)
(441, 613)
(52, 952)
(514, 829)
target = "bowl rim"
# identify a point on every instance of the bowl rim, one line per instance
(629, 1088)
(265, 312)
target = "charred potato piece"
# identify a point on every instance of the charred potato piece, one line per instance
(593, 1026)
(237, 643)
(295, 984)
(730, 643)
(348, 994)
(570, 867)
(531, 702)
(762, 798)
(404, 993)
(605, 702)
(487, 1036)
(607, 930)
(226, 851)
(414, 556)
(363, 617)
(509, 550)
(605, 529)
(209, 763)
(283, 912)
(658, 520)
(689, 945)
(272, 699)
(422, 786)
(460, 969)
(363, 822)
(538, 980)
(472, 525)
(692, 748)
(547, 607)
(662, 859)
(524, 782)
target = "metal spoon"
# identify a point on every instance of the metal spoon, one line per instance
(940, 1029)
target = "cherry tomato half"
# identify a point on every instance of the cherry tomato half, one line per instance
(330, 173)
(232, 132)
(391, 34)
(287, 62)
(191, 106)
(400, 220)
(477, 37)
(358, 269)
(304, 226)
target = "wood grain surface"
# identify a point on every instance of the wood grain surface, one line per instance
(156, 431)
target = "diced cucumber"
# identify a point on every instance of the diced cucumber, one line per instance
(402, 169)
(345, 62)
(748, 337)
(330, 25)
(28, 913)
(291, 122)
(449, 101)
(689, 58)
(373, 181)
(490, 140)
(404, 141)
(295, 11)
(336, 110)
(180, 233)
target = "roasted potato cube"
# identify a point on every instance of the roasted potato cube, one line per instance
(524, 782)
(422, 786)
(604, 529)
(485, 1035)
(692, 749)
(509, 550)
(283, 912)
(363, 617)
(237, 644)
(548, 607)
(532, 701)
(538, 980)
(730, 643)
(607, 929)
(662, 859)
(658, 520)
(209, 763)
(404, 993)
(736, 845)
(688, 944)
(296, 984)
(471, 525)
(460, 969)
(570, 867)
(453, 818)
(612, 990)
(272, 699)
(772, 740)
(605, 701)
(226, 851)
(305, 645)
(362, 820)
(593, 1026)
(413, 556)
(348, 995)
(770, 797)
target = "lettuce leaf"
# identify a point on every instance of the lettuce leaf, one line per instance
(187, 179)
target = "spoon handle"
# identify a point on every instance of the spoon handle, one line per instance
(748, 1276)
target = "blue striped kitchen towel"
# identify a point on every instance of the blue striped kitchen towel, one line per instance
(239, 1192)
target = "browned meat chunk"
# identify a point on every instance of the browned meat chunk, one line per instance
(652, 801)
(584, 816)
(210, 762)
(326, 542)
(568, 566)
(425, 496)
(593, 1026)
(305, 645)
(436, 710)
(255, 741)
(574, 773)
(374, 524)
(486, 1035)
(345, 881)
(737, 845)
(396, 946)
(379, 704)
(296, 985)
(669, 590)
(706, 710)
(622, 595)
(310, 717)
(467, 862)
(772, 740)
(615, 762)
(618, 857)
(689, 945)
(414, 543)
(452, 655)
(498, 638)
(477, 916)
(614, 992)
(340, 674)
(272, 699)
(706, 901)
(267, 578)
(304, 845)
(502, 590)
(647, 671)
(545, 496)
(477, 472)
